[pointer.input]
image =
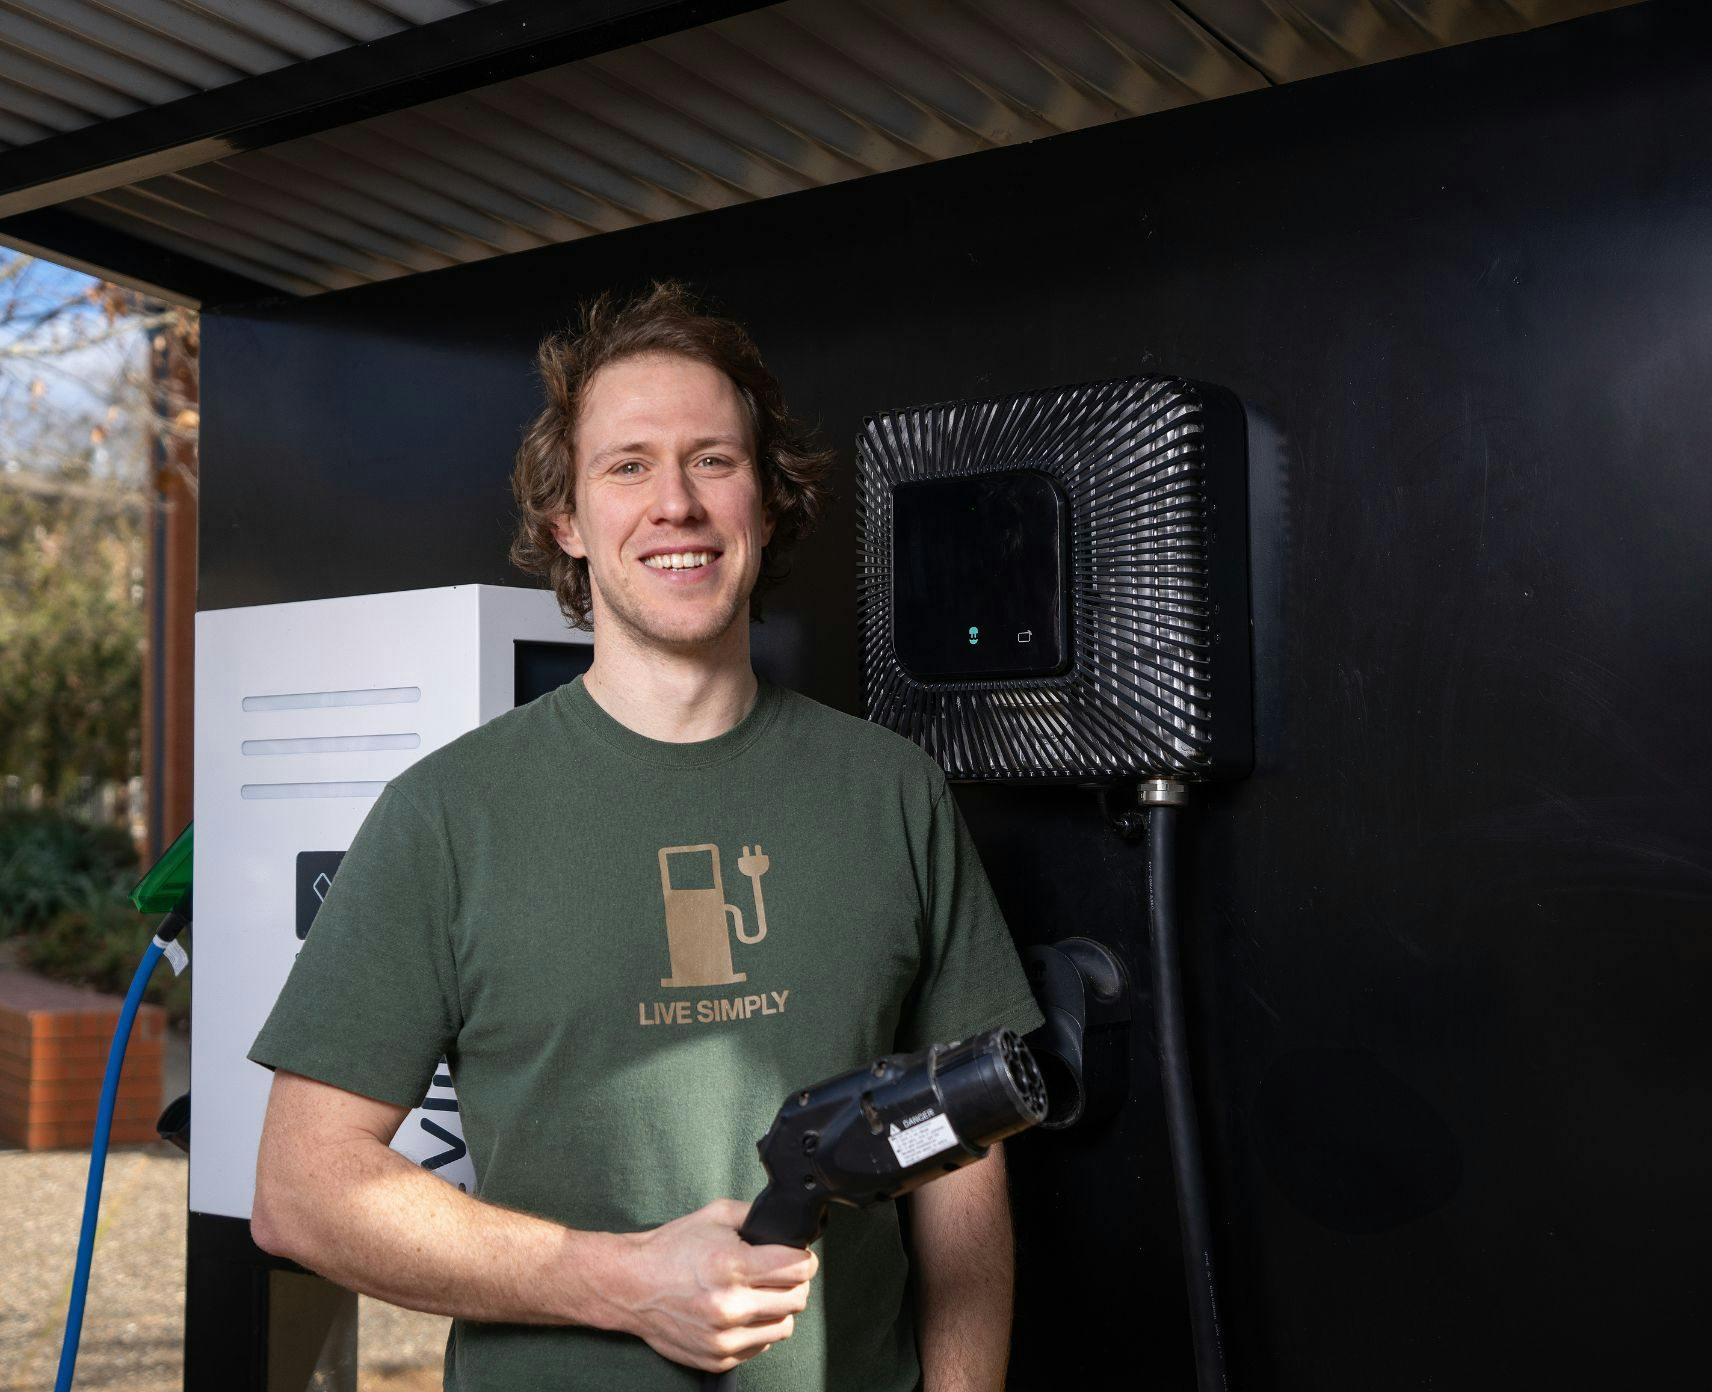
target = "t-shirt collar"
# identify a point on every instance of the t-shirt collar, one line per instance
(579, 708)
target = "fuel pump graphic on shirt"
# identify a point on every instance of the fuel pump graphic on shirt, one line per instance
(696, 913)
(700, 927)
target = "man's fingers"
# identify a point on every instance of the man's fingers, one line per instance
(724, 1364)
(773, 1265)
(720, 1301)
(773, 1305)
(738, 1309)
(729, 1212)
(769, 1264)
(747, 1340)
(739, 1345)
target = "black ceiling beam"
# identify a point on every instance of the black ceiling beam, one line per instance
(105, 251)
(416, 65)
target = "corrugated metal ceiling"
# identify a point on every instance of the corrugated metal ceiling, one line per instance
(67, 64)
(801, 94)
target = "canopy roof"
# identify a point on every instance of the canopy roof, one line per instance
(222, 150)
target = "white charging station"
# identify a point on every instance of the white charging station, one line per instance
(304, 712)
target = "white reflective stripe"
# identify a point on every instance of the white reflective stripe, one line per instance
(320, 700)
(254, 791)
(332, 744)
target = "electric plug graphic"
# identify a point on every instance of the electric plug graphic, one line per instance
(754, 865)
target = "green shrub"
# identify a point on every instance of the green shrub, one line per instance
(98, 942)
(49, 861)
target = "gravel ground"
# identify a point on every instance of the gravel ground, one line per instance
(133, 1328)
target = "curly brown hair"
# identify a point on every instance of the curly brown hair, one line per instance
(668, 318)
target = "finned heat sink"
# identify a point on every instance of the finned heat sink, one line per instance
(1152, 474)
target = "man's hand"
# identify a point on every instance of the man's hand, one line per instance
(700, 1295)
(333, 1197)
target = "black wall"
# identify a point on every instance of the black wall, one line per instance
(1451, 944)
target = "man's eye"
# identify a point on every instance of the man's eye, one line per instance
(713, 459)
(627, 464)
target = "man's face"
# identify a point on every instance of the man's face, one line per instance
(665, 466)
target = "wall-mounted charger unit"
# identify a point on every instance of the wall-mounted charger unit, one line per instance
(1054, 586)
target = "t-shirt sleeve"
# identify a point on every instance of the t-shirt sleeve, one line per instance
(971, 978)
(371, 1004)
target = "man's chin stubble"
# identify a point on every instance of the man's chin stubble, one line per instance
(642, 631)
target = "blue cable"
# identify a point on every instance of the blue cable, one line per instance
(98, 1165)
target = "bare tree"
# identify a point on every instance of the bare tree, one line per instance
(97, 400)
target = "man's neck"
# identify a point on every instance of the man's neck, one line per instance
(666, 697)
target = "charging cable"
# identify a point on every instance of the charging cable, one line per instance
(1163, 799)
(166, 945)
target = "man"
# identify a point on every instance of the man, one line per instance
(634, 915)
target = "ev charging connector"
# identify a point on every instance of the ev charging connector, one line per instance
(879, 1131)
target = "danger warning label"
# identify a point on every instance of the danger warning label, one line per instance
(924, 1138)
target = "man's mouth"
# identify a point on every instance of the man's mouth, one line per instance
(680, 560)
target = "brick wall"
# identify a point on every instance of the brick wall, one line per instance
(54, 1041)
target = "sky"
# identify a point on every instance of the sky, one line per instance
(58, 375)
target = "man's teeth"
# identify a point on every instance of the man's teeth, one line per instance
(679, 560)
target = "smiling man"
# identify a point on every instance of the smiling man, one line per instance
(633, 915)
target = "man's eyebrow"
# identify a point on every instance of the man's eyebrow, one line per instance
(728, 441)
(600, 457)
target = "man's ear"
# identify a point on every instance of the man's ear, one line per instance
(569, 536)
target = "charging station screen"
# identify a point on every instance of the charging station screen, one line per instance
(544, 667)
(980, 571)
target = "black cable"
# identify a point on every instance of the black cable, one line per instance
(176, 920)
(1194, 1218)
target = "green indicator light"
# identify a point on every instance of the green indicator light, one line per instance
(974, 635)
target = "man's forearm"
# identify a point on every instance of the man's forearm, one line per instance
(964, 1276)
(373, 1221)
(332, 1195)
(965, 1333)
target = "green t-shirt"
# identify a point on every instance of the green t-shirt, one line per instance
(572, 914)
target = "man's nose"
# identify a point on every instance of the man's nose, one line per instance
(675, 498)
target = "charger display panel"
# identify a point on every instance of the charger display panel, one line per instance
(981, 569)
